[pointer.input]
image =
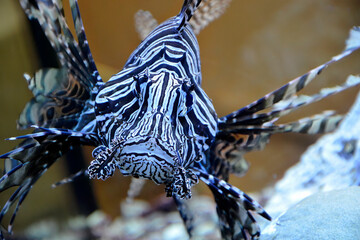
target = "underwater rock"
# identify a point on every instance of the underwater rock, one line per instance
(333, 162)
(327, 215)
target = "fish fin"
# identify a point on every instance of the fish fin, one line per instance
(185, 214)
(234, 209)
(287, 106)
(18, 196)
(290, 89)
(35, 155)
(62, 106)
(62, 97)
(187, 11)
(59, 99)
(247, 130)
(83, 42)
(252, 133)
(324, 122)
(70, 179)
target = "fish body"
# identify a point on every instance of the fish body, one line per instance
(153, 116)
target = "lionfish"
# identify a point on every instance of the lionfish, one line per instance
(151, 120)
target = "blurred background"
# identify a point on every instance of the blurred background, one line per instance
(254, 48)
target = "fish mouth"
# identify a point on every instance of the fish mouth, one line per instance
(145, 157)
(148, 157)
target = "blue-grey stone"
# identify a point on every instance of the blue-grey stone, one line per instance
(322, 216)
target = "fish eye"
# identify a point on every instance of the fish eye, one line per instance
(187, 91)
(137, 88)
(189, 100)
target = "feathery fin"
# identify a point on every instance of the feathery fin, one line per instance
(62, 106)
(187, 11)
(233, 208)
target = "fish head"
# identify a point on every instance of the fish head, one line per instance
(168, 132)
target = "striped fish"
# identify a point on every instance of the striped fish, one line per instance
(208, 11)
(152, 120)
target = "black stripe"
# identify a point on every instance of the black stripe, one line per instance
(301, 84)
